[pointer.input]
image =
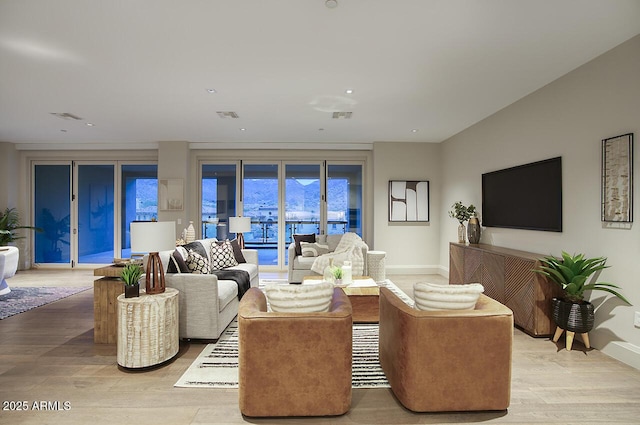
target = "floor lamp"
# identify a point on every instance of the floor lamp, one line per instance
(153, 237)
(239, 225)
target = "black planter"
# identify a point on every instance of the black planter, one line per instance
(573, 317)
(131, 291)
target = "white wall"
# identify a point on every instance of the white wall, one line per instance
(410, 247)
(8, 175)
(567, 118)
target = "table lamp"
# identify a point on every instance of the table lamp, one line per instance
(239, 225)
(153, 237)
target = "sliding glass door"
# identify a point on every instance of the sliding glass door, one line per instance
(261, 202)
(312, 197)
(77, 204)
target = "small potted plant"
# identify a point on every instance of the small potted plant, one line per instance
(130, 274)
(462, 213)
(337, 274)
(573, 313)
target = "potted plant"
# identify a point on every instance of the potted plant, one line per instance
(131, 275)
(9, 224)
(337, 274)
(462, 213)
(571, 273)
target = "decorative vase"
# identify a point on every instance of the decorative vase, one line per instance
(573, 317)
(474, 229)
(131, 291)
(191, 233)
(461, 233)
(327, 275)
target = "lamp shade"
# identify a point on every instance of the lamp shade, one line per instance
(153, 236)
(239, 224)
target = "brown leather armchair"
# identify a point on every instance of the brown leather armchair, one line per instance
(294, 364)
(438, 361)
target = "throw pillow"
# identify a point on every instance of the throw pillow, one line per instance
(313, 249)
(237, 251)
(197, 247)
(431, 296)
(222, 255)
(311, 237)
(177, 264)
(312, 298)
(197, 263)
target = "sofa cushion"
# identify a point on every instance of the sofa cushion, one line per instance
(333, 241)
(221, 255)
(227, 291)
(431, 296)
(250, 268)
(311, 237)
(197, 263)
(300, 298)
(313, 249)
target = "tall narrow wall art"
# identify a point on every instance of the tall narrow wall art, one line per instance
(617, 179)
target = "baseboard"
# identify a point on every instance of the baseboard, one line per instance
(418, 269)
(623, 351)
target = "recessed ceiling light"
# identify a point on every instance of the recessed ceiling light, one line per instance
(64, 131)
(321, 129)
(349, 91)
(415, 130)
(89, 124)
(331, 4)
(212, 90)
(243, 129)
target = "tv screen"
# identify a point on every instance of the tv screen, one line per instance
(528, 196)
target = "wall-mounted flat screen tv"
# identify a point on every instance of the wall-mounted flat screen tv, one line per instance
(528, 196)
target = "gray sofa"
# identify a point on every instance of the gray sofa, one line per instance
(300, 266)
(207, 304)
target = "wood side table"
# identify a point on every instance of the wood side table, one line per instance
(147, 329)
(105, 293)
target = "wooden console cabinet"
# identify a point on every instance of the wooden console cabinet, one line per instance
(507, 276)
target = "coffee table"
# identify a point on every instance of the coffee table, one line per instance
(365, 300)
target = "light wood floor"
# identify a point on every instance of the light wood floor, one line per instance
(47, 354)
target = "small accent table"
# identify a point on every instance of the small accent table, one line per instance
(105, 293)
(147, 329)
(365, 300)
(376, 265)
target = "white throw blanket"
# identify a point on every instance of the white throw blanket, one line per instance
(349, 249)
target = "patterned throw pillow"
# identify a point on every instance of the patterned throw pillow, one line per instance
(312, 298)
(313, 249)
(237, 251)
(197, 263)
(177, 263)
(222, 256)
(431, 296)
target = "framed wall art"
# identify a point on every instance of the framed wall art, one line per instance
(408, 200)
(617, 179)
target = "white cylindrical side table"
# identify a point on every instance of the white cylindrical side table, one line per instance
(147, 329)
(376, 265)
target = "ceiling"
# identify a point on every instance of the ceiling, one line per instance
(420, 70)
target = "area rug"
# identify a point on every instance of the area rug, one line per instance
(22, 299)
(217, 365)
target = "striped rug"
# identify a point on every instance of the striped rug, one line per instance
(217, 365)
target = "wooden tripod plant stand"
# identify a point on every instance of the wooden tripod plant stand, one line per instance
(570, 336)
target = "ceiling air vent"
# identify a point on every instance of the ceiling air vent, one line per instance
(66, 116)
(342, 115)
(227, 114)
